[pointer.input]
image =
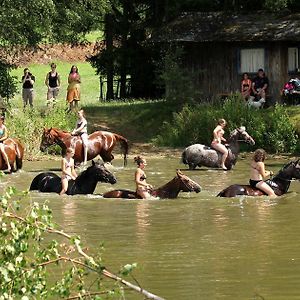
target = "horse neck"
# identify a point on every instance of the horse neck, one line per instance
(63, 139)
(283, 180)
(234, 145)
(86, 182)
(168, 190)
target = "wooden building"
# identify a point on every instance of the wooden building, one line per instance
(219, 47)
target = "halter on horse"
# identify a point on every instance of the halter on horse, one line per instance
(170, 190)
(280, 183)
(100, 143)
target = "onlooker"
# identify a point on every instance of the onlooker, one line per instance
(73, 94)
(52, 81)
(27, 93)
(246, 86)
(259, 86)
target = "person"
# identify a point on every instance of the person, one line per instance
(81, 130)
(3, 137)
(73, 92)
(259, 87)
(217, 141)
(52, 81)
(258, 173)
(27, 92)
(246, 86)
(68, 170)
(142, 187)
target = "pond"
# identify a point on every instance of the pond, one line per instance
(194, 247)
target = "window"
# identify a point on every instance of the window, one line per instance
(293, 59)
(252, 60)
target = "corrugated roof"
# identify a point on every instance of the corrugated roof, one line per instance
(221, 26)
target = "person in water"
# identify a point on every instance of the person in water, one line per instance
(258, 173)
(3, 137)
(81, 130)
(68, 170)
(142, 187)
(217, 141)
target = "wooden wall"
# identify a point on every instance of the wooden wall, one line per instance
(215, 65)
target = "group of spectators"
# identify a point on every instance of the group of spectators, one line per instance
(53, 83)
(254, 91)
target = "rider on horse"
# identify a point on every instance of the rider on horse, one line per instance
(3, 137)
(142, 187)
(68, 171)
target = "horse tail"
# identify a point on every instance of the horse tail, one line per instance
(124, 146)
(19, 154)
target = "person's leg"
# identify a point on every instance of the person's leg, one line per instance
(266, 188)
(25, 97)
(221, 148)
(30, 97)
(64, 186)
(85, 141)
(143, 193)
(2, 149)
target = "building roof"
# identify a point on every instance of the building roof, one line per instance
(226, 27)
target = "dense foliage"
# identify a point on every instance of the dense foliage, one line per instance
(270, 128)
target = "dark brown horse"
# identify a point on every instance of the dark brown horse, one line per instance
(170, 190)
(100, 143)
(280, 183)
(15, 152)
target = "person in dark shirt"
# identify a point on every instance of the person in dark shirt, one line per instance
(259, 87)
(27, 93)
(52, 81)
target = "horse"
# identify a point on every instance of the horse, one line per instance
(280, 183)
(85, 183)
(201, 155)
(169, 190)
(100, 142)
(15, 152)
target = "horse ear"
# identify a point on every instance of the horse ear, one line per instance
(93, 163)
(178, 172)
(242, 129)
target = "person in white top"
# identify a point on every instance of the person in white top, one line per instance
(81, 130)
(68, 170)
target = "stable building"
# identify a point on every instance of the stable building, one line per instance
(219, 47)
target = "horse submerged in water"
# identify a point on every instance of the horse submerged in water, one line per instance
(169, 190)
(280, 183)
(15, 152)
(99, 143)
(201, 155)
(85, 183)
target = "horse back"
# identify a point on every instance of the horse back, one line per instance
(125, 194)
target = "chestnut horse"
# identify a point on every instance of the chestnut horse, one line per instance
(100, 143)
(15, 152)
(170, 190)
(280, 183)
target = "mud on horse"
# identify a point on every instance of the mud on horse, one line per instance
(100, 143)
(169, 190)
(15, 152)
(280, 183)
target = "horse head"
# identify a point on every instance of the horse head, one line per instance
(101, 173)
(291, 170)
(187, 184)
(240, 134)
(47, 139)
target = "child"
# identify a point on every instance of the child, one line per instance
(258, 173)
(68, 171)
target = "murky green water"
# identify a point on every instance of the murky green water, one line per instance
(195, 247)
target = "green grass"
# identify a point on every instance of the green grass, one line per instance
(89, 86)
(94, 36)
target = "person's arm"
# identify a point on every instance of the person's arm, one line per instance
(24, 79)
(63, 168)
(78, 79)
(265, 86)
(262, 170)
(73, 171)
(32, 79)
(58, 80)
(69, 78)
(47, 80)
(79, 129)
(138, 180)
(5, 135)
(253, 88)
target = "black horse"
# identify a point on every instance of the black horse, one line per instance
(85, 183)
(280, 183)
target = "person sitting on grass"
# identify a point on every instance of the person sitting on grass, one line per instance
(68, 170)
(258, 173)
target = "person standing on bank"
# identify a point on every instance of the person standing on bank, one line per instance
(52, 81)
(81, 130)
(73, 92)
(27, 92)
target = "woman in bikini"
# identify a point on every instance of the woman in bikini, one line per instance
(81, 130)
(142, 187)
(246, 85)
(68, 171)
(258, 173)
(3, 137)
(217, 141)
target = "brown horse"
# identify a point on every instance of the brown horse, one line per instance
(100, 143)
(280, 183)
(15, 152)
(170, 190)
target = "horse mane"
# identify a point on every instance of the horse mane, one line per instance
(61, 130)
